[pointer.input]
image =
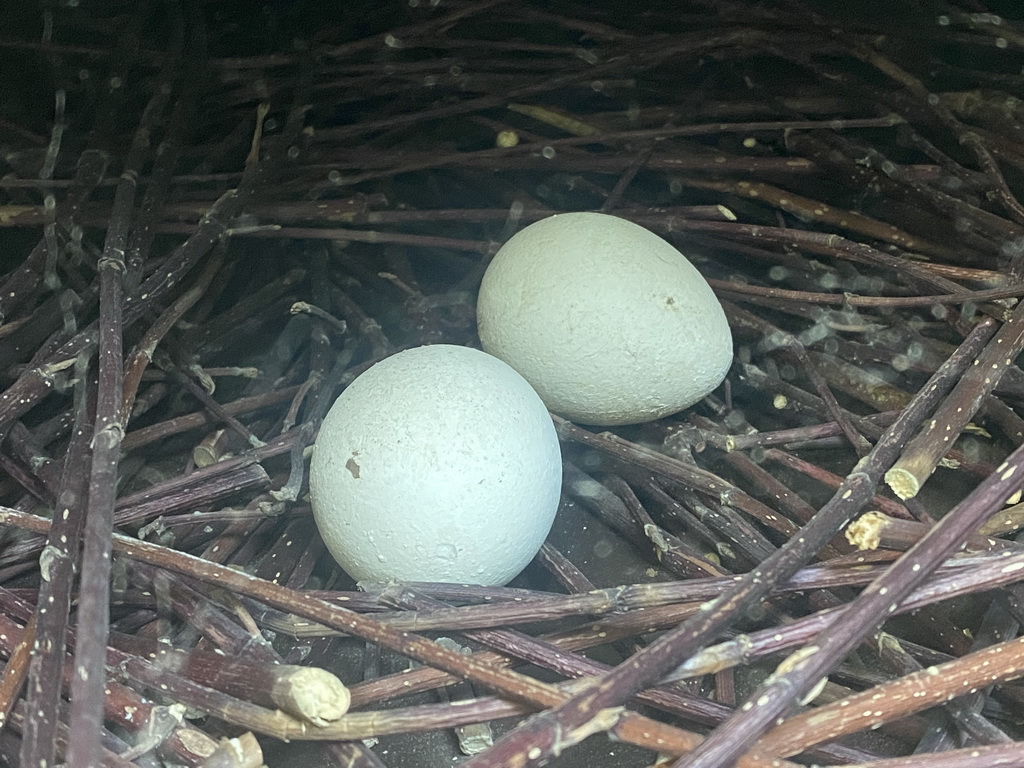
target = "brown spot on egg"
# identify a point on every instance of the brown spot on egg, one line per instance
(352, 467)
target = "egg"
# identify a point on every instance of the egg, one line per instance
(439, 463)
(609, 322)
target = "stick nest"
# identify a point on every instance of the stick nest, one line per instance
(215, 217)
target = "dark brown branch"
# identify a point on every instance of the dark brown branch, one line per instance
(58, 559)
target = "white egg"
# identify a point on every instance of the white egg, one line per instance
(439, 463)
(608, 322)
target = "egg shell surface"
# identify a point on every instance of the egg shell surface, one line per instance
(439, 463)
(609, 322)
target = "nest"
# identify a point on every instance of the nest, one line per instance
(215, 217)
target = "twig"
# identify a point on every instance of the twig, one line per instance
(142, 354)
(147, 435)
(865, 613)
(54, 601)
(93, 612)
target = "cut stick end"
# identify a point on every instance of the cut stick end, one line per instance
(311, 693)
(903, 483)
(866, 531)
